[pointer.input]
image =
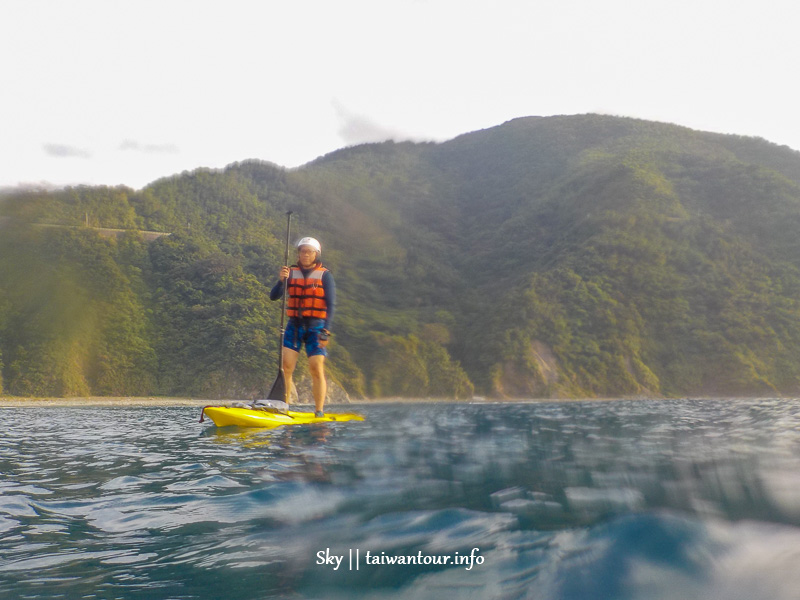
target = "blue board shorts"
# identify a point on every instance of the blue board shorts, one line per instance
(299, 332)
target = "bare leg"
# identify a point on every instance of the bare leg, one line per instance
(319, 387)
(289, 363)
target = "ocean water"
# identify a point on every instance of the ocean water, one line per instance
(597, 500)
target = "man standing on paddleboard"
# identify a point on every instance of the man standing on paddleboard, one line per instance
(311, 301)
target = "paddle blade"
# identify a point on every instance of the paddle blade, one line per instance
(278, 390)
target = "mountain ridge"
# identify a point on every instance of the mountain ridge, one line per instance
(544, 257)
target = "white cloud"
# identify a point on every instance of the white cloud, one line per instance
(360, 129)
(133, 145)
(65, 151)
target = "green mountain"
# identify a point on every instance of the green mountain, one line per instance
(560, 256)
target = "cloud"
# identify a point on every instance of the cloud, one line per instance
(135, 146)
(65, 151)
(358, 129)
(28, 186)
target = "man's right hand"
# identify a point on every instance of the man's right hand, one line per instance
(284, 273)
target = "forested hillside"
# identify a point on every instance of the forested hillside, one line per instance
(559, 256)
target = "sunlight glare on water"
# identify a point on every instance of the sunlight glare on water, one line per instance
(624, 499)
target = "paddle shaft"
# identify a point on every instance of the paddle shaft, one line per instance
(285, 292)
(278, 391)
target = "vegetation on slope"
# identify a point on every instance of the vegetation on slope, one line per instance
(559, 256)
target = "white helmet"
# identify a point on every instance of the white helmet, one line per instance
(309, 241)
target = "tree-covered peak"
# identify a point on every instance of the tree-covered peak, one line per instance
(546, 256)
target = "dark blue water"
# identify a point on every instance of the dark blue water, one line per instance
(600, 500)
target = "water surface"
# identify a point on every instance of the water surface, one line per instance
(625, 499)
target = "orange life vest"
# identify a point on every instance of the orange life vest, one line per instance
(306, 294)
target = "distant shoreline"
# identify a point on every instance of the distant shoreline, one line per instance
(14, 401)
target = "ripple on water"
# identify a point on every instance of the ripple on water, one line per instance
(679, 499)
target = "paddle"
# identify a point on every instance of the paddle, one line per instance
(278, 392)
(276, 399)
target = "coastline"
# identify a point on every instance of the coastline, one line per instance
(16, 402)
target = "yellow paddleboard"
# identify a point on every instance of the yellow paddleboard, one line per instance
(246, 417)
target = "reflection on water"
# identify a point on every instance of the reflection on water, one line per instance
(627, 499)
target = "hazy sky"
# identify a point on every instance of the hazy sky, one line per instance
(125, 92)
